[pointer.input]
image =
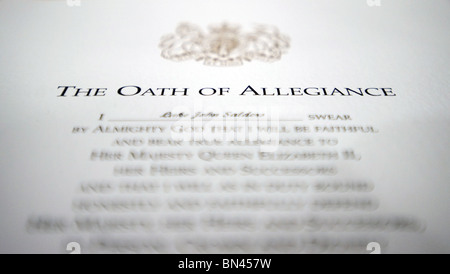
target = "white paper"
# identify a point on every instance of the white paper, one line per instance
(389, 185)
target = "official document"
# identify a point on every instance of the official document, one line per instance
(288, 126)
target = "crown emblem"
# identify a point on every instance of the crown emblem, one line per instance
(224, 44)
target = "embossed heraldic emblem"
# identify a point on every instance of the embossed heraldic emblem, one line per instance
(224, 45)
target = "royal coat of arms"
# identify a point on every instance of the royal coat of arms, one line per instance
(224, 45)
